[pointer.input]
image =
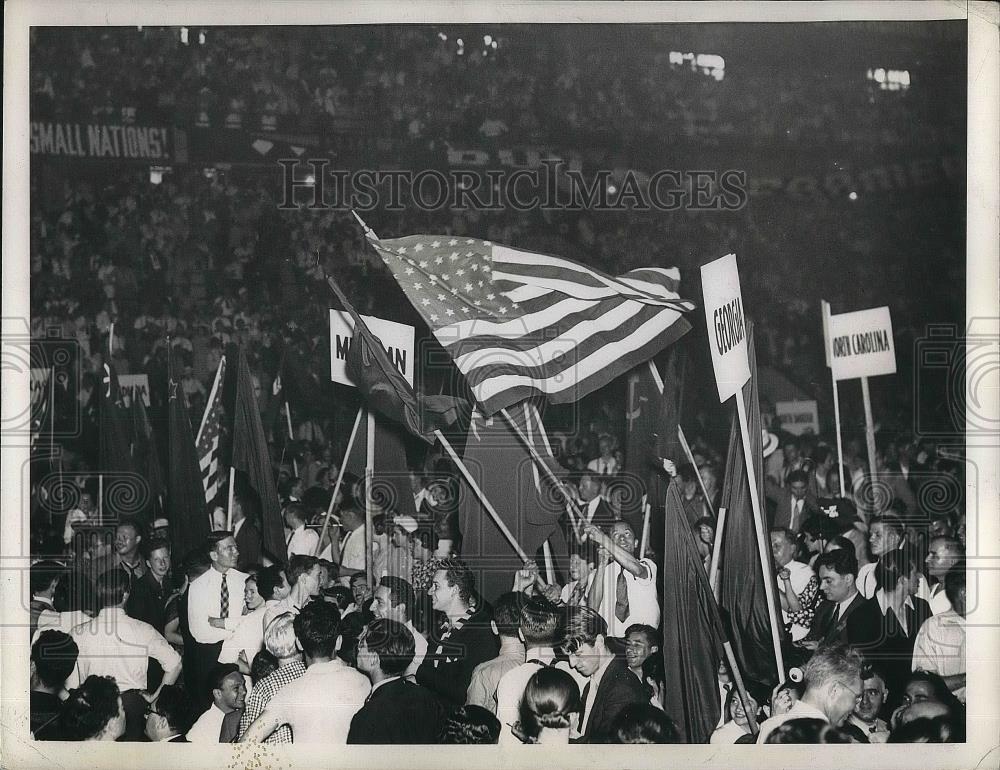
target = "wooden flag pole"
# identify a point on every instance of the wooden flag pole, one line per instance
(232, 492)
(550, 572)
(825, 312)
(734, 670)
(840, 445)
(291, 436)
(869, 429)
(697, 473)
(340, 479)
(713, 572)
(644, 540)
(370, 499)
(482, 498)
(762, 539)
(571, 508)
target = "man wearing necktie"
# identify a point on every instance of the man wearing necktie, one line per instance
(624, 587)
(214, 606)
(795, 502)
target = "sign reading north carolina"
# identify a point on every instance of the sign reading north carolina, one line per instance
(861, 344)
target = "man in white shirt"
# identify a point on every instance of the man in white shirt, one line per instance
(538, 628)
(228, 695)
(215, 602)
(303, 576)
(940, 643)
(833, 686)
(606, 464)
(319, 705)
(943, 553)
(624, 588)
(352, 544)
(885, 533)
(394, 600)
(302, 541)
(113, 644)
(797, 584)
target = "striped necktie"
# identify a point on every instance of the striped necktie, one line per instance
(224, 599)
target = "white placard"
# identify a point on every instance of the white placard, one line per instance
(396, 338)
(798, 417)
(861, 344)
(135, 383)
(727, 335)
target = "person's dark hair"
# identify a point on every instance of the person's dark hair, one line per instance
(54, 654)
(798, 475)
(297, 511)
(820, 453)
(74, 592)
(350, 629)
(218, 673)
(891, 522)
(586, 551)
(643, 723)
(174, 705)
(89, 708)
(583, 626)
(539, 622)
(134, 524)
(954, 582)
(197, 563)
(317, 627)
(842, 544)
(264, 664)
(807, 731)
(942, 694)
(400, 592)
(341, 595)
(298, 566)
(687, 473)
(507, 613)
(891, 567)
(706, 521)
(112, 587)
(843, 562)
(819, 526)
(470, 725)
(214, 538)
(647, 631)
(551, 699)
(392, 642)
(357, 577)
(457, 573)
(268, 580)
(940, 729)
(156, 543)
(42, 573)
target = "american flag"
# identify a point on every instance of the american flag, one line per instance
(519, 324)
(208, 436)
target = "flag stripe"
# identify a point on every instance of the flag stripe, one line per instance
(521, 325)
(208, 436)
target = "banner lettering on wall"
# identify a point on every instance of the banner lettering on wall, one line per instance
(99, 141)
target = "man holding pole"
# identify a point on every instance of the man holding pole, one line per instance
(624, 587)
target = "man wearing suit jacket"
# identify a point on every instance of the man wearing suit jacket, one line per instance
(795, 502)
(595, 508)
(248, 538)
(169, 716)
(466, 640)
(610, 685)
(397, 710)
(845, 615)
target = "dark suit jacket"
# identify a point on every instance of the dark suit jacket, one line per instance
(466, 648)
(249, 542)
(603, 516)
(398, 712)
(783, 509)
(891, 648)
(618, 688)
(859, 625)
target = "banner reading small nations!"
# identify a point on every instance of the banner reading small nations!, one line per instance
(101, 141)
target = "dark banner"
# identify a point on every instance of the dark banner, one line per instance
(103, 141)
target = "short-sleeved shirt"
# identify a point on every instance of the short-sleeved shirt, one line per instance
(486, 676)
(643, 605)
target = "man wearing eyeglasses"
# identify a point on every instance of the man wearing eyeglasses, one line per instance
(169, 716)
(833, 687)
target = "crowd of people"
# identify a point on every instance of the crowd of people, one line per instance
(132, 642)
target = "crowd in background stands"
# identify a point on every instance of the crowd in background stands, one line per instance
(207, 259)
